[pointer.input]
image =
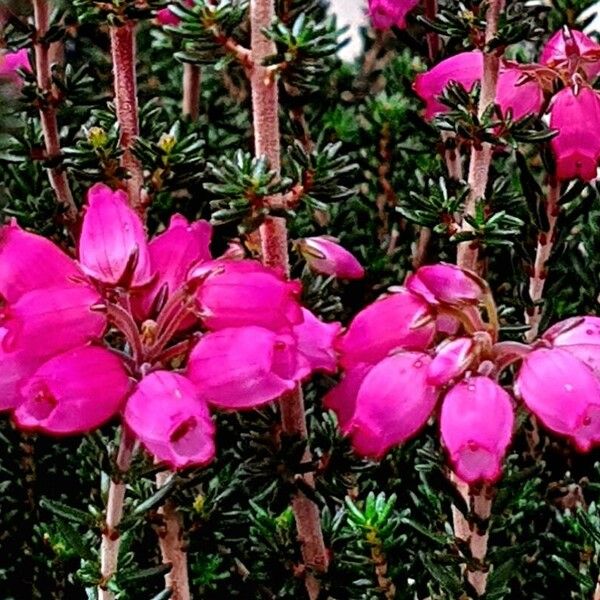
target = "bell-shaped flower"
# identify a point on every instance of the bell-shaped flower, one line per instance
(73, 392)
(399, 321)
(385, 14)
(447, 284)
(517, 92)
(575, 114)
(315, 342)
(476, 423)
(563, 392)
(245, 367)
(451, 359)
(29, 261)
(324, 255)
(11, 62)
(235, 293)
(48, 321)
(172, 254)
(112, 245)
(464, 68)
(565, 46)
(171, 419)
(391, 404)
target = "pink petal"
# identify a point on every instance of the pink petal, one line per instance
(73, 392)
(386, 325)
(10, 62)
(244, 292)
(112, 245)
(15, 368)
(576, 148)
(555, 53)
(342, 398)
(385, 14)
(476, 422)
(166, 17)
(168, 415)
(327, 257)
(393, 403)
(450, 361)
(29, 262)
(464, 68)
(516, 92)
(245, 367)
(315, 342)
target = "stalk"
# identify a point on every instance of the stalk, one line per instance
(122, 43)
(274, 244)
(111, 537)
(433, 39)
(172, 546)
(56, 175)
(481, 154)
(192, 78)
(543, 252)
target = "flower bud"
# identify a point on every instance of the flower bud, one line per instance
(74, 392)
(398, 321)
(245, 367)
(451, 360)
(576, 148)
(563, 393)
(324, 255)
(172, 421)
(385, 14)
(112, 245)
(476, 424)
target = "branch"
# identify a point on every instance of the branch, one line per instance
(192, 77)
(58, 177)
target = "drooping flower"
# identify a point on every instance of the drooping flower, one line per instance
(518, 92)
(73, 393)
(390, 13)
(570, 45)
(476, 424)
(383, 406)
(575, 114)
(324, 255)
(169, 416)
(401, 320)
(112, 246)
(563, 392)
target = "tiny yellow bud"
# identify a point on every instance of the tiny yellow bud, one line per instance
(167, 142)
(97, 137)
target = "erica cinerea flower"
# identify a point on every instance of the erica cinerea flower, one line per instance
(324, 255)
(248, 339)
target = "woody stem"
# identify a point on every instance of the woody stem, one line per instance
(192, 77)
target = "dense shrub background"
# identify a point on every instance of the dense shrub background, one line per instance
(387, 178)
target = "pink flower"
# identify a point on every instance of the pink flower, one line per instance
(73, 392)
(576, 148)
(315, 342)
(324, 255)
(112, 246)
(448, 284)
(29, 261)
(563, 392)
(476, 424)
(244, 292)
(568, 45)
(386, 405)
(518, 93)
(169, 416)
(581, 337)
(245, 367)
(10, 62)
(390, 13)
(451, 360)
(399, 321)
(165, 16)
(464, 68)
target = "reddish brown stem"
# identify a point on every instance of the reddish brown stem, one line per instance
(481, 154)
(111, 537)
(274, 244)
(122, 40)
(543, 251)
(57, 176)
(433, 39)
(172, 546)
(192, 77)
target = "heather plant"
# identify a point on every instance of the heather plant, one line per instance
(275, 325)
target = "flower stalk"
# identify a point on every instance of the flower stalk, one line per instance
(545, 244)
(122, 42)
(274, 245)
(192, 77)
(57, 176)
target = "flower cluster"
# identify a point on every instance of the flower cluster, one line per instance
(157, 331)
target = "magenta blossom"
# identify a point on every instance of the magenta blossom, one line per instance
(570, 50)
(59, 374)
(451, 360)
(476, 423)
(11, 62)
(390, 13)
(324, 255)
(165, 16)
